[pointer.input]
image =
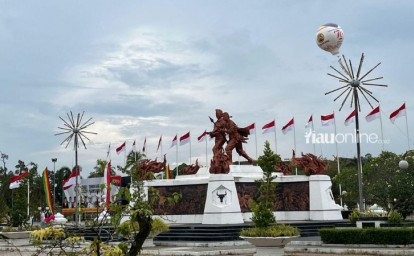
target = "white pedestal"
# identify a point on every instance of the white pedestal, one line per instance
(322, 204)
(222, 203)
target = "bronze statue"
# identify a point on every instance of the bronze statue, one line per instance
(222, 157)
(218, 132)
(310, 163)
(237, 136)
(191, 169)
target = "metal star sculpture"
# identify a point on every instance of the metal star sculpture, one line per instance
(76, 131)
(355, 83)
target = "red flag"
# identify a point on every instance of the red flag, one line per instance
(202, 137)
(350, 119)
(159, 143)
(309, 124)
(289, 126)
(143, 147)
(327, 119)
(15, 180)
(174, 141)
(251, 128)
(374, 114)
(269, 127)
(71, 180)
(121, 148)
(185, 139)
(398, 113)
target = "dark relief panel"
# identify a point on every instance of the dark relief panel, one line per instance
(192, 201)
(292, 196)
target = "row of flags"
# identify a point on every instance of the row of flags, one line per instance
(16, 180)
(326, 120)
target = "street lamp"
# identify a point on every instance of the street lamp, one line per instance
(403, 164)
(4, 157)
(54, 160)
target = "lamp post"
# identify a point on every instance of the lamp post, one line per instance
(54, 160)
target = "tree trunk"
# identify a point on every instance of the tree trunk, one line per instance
(139, 238)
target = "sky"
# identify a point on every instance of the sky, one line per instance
(145, 69)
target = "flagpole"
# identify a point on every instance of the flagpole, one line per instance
(205, 138)
(190, 151)
(313, 130)
(176, 155)
(337, 160)
(382, 131)
(275, 136)
(406, 126)
(294, 142)
(255, 138)
(28, 197)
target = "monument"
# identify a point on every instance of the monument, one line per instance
(221, 193)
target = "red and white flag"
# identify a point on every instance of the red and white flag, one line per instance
(251, 128)
(174, 141)
(309, 124)
(159, 143)
(374, 114)
(121, 148)
(202, 137)
(269, 127)
(398, 113)
(185, 139)
(289, 126)
(327, 120)
(71, 180)
(350, 119)
(15, 180)
(145, 144)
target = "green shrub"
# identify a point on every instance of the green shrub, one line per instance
(354, 215)
(397, 236)
(394, 217)
(158, 226)
(127, 228)
(271, 231)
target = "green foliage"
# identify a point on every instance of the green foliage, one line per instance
(271, 231)
(354, 216)
(128, 228)
(268, 160)
(263, 215)
(394, 217)
(397, 236)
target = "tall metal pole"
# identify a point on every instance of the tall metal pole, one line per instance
(355, 85)
(77, 184)
(54, 160)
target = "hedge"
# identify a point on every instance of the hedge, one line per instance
(397, 236)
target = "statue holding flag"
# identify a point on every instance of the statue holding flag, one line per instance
(224, 127)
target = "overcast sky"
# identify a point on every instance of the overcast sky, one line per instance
(142, 69)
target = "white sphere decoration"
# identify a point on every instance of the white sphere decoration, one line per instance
(329, 37)
(403, 164)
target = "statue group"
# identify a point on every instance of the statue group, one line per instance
(227, 136)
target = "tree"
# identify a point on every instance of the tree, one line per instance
(100, 168)
(263, 210)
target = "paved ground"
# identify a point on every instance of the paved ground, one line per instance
(243, 248)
